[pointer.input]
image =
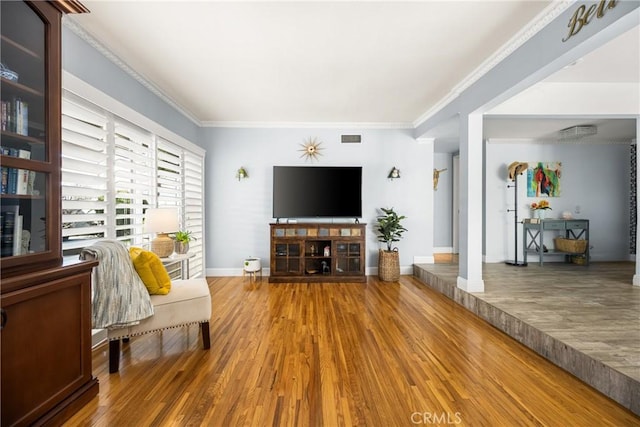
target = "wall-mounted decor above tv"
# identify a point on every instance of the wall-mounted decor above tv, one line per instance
(317, 192)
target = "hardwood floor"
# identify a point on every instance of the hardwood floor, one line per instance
(375, 354)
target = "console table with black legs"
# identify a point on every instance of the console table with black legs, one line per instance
(533, 237)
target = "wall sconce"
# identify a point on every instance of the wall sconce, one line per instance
(242, 173)
(394, 173)
(162, 221)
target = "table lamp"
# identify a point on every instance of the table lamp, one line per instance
(162, 221)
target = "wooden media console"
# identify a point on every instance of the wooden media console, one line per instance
(317, 252)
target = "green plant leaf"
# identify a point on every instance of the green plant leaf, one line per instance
(389, 227)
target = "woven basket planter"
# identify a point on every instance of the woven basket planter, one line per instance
(389, 265)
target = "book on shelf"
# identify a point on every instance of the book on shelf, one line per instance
(9, 229)
(17, 235)
(23, 119)
(4, 125)
(532, 220)
(31, 183)
(13, 180)
(14, 116)
(4, 180)
(22, 181)
(12, 173)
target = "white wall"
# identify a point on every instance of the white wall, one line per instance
(594, 177)
(443, 204)
(238, 213)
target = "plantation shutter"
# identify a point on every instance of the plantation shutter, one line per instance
(170, 177)
(114, 169)
(134, 180)
(194, 210)
(84, 174)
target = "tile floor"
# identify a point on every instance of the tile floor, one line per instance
(558, 308)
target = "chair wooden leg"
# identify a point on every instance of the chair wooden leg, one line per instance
(206, 339)
(114, 356)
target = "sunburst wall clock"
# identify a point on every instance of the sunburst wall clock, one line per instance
(311, 149)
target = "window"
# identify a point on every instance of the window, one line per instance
(133, 178)
(113, 169)
(84, 176)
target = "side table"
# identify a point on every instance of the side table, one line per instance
(183, 259)
(533, 237)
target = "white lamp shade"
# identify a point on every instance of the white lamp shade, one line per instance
(162, 220)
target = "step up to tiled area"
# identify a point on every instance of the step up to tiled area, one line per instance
(583, 319)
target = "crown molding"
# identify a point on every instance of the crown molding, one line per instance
(550, 13)
(107, 53)
(307, 125)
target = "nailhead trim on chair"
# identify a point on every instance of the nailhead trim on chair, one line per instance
(119, 337)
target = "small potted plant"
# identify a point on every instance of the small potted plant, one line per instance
(540, 209)
(389, 230)
(182, 239)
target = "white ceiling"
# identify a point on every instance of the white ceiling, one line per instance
(365, 62)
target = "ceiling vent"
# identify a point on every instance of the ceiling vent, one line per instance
(576, 132)
(351, 139)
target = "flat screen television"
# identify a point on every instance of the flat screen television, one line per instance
(317, 191)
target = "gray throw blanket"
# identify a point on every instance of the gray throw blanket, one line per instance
(119, 296)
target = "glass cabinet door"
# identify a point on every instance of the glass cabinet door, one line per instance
(29, 163)
(288, 257)
(348, 258)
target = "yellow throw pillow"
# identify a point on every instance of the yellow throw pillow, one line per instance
(151, 270)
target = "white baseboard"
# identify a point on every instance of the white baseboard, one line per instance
(369, 271)
(231, 272)
(443, 250)
(424, 259)
(404, 269)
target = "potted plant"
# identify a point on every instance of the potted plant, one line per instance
(389, 230)
(540, 208)
(182, 239)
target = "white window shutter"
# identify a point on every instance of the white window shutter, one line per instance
(170, 176)
(113, 170)
(134, 180)
(84, 174)
(193, 218)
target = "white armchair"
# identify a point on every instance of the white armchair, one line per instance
(122, 305)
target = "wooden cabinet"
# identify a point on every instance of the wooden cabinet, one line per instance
(46, 345)
(309, 252)
(46, 305)
(30, 136)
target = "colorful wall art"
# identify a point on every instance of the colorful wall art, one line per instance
(543, 179)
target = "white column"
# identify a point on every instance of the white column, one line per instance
(426, 257)
(471, 211)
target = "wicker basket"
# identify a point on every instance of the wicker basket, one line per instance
(389, 266)
(576, 246)
(579, 259)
